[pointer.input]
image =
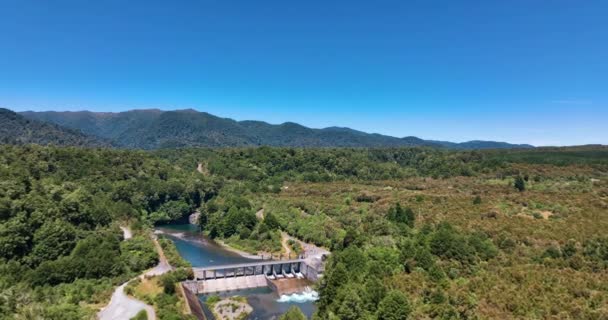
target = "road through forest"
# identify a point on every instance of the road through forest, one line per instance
(123, 307)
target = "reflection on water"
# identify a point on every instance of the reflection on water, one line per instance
(199, 250)
(202, 252)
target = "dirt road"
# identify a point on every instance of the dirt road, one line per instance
(260, 214)
(123, 307)
(284, 238)
(163, 265)
(126, 233)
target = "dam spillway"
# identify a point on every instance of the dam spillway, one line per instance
(226, 284)
(271, 268)
(203, 252)
(283, 276)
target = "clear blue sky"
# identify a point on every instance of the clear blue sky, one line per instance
(519, 71)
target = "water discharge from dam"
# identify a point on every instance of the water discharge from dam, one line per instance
(201, 251)
(308, 295)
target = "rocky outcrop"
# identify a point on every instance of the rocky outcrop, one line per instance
(193, 218)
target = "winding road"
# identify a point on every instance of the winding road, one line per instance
(123, 307)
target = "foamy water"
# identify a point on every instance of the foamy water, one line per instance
(307, 296)
(202, 252)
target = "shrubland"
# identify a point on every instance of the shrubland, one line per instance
(428, 233)
(414, 232)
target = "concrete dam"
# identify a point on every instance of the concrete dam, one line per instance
(283, 276)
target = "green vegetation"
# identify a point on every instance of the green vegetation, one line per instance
(294, 313)
(401, 216)
(439, 253)
(167, 303)
(416, 232)
(139, 253)
(477, 200)
(583, 155)
(170, 251)
(142, 315)
(519, 184)
(162, 293)
(233, 219)
(394, 306)
(16, 129)
(264, 169)
(295, 246)
(152, 129)
(61, 249)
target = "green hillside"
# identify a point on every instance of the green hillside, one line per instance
(16, 129)
(153, 129)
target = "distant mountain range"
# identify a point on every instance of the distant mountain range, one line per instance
(153, 129)
(16, 129)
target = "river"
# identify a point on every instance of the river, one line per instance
(201, 251)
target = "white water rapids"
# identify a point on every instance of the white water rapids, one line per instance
(302, 297)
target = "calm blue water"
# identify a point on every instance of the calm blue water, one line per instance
(201, 252)
(197, 249)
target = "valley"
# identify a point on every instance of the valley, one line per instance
(303, 160)
(429, 232)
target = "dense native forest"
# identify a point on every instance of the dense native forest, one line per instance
(153, 129)
(61, 250)
(16, 129)
(414, 232)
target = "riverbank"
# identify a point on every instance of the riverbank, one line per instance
(200, 251)
(190, 232)
(258, 256)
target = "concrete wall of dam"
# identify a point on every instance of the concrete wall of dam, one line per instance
(286, 281)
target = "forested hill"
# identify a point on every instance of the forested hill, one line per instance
(16, 129)
(424, 232)
(153, 129)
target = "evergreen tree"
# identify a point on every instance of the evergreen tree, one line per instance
(351, 307)
(352, 237)
(52, 240)
(477, 200)
(519, 184)
(395, 306)
(271, 221)
(203, 218)
(374, 292)
(448, 243)
(294, 313)
(399, 215)
(332, 283)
